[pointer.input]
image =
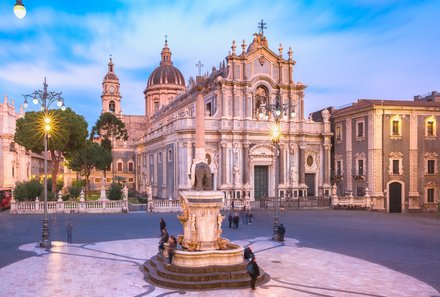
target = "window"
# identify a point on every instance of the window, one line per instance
(361, 167)
(338, 132)
(111, 106)
(360, 129)
(130, 166)
(156, 105)
(431, 163)
(151, 159)
(430, 128)
(431, 166)
(159, 156)
(109, 180)
(396, 127)
(395, 163)
(170, 155)
(430, 195)
(119, 166)
(131, 180)
(97, 180)
(396, 166)
(339, 168)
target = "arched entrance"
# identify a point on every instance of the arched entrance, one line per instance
(395, 197)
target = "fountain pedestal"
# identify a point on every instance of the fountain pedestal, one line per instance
(202, 241)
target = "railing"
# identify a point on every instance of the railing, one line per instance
(37, 207)
(296, 202)
(351, 202)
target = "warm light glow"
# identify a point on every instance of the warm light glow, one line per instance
(275, 132)
(19, 9)
(47, 120)
(35, 100)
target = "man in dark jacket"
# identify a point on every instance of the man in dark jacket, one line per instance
(281, 231)
(253, 271)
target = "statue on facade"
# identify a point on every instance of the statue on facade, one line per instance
(334, 190)
(325, 115)
(149, 192)
(292, 175)
(236, 174)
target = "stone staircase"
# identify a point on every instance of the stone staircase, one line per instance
(197, 278)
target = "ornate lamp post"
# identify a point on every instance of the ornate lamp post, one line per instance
(273, 112)
(45, 99)
(19, 9)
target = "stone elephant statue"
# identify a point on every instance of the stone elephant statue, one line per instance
(203, 177)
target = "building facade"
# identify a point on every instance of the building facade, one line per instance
(238, 147)
(392, 148)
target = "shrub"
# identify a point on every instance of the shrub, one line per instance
(28, 191)
(115, 192)
(74, 191)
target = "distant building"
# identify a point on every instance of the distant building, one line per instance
(392, 147)
(16, 164)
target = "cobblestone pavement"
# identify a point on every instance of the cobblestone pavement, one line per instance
(329, 253)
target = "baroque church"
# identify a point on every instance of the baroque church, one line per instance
(160, 150)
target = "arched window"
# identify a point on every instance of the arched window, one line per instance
(111, 106)
(12, 147)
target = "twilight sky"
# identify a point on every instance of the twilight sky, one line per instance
(344, 50)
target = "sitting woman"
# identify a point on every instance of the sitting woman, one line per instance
(163, 240)
(171, 247)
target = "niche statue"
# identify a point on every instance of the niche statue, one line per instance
(203, 178)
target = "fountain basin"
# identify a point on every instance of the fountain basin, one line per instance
(227, 257)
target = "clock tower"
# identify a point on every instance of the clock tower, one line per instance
(111, 97)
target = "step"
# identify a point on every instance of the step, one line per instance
(172, 280)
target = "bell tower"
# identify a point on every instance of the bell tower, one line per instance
(111, 97)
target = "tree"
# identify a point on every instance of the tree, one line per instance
(67, 135)
(110, 128)
(92, 156)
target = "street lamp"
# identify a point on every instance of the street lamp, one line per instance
(19, 9)
(45, 99)
(274, 112)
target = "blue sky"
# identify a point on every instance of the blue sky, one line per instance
(345, 50)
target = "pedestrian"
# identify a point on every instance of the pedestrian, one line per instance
(230, 220)
(254, 271)
(162, 225)
(232, 204)
(236, 219)
(172, 245)
(164, 239)
(250, 217)
(246, 218)
(69, 230)
(281, 231)
(248, 253)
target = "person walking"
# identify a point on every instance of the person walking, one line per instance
(69, 230)
(162, 225)
(281, 231)
(254, 271)
(230, 220)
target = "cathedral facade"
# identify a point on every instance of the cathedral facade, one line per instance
(238, 146)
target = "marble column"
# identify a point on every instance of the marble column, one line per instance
(223, 163)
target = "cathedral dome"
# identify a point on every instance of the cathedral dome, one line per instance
(166, 73)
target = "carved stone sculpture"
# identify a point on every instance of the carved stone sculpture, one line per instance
(203, 178)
